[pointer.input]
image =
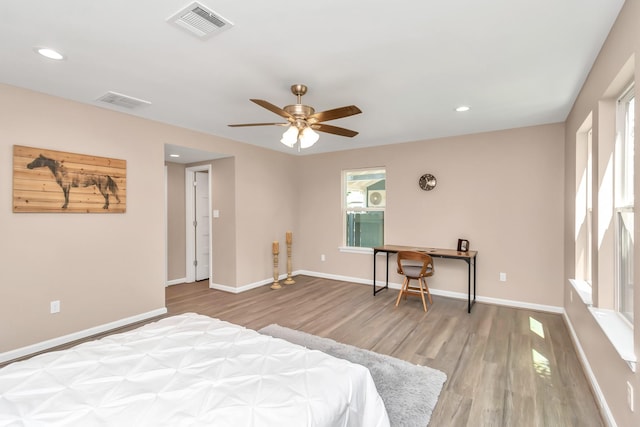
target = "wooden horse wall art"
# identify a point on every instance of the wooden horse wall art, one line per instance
(67, 179)
(51, 181)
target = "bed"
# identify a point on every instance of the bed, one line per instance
(189, 370)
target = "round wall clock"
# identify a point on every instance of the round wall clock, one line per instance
(427, 182)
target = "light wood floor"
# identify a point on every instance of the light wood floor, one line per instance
(505, 366)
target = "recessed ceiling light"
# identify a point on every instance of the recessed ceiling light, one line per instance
(463, 108)
(49, 53)
(174, 155)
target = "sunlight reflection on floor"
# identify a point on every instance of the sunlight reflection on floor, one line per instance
(540, 362)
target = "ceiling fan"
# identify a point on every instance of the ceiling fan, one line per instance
(303, 121)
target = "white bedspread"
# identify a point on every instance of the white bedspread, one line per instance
(189, 370)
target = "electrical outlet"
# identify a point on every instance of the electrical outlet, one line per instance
(630, 395)
(323, 258)
(55, 307)
(503, 277)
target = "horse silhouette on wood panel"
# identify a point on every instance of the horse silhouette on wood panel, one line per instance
(68, 178)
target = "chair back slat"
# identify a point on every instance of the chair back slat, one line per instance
(419, 259)
(414, 265)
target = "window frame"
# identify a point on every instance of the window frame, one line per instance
(589, 210)
(584, 262)
(345, 209)
(624, 201)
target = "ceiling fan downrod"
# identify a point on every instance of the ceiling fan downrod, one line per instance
(299, 90)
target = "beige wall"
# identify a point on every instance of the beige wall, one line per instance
(265, 210)
(610, 371)
(108, 267)
(176, 222)
(499, 190)
(102, 267)
(223, 228)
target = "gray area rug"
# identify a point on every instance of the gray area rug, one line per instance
(409, 391)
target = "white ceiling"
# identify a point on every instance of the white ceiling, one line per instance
(406, 64)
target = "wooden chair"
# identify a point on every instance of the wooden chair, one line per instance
(417, 266)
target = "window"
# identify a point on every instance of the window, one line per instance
(364, 201)
(584, 206)
(624, 201)
(589, 208)
(607, 161)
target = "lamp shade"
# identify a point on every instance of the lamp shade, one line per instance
(308, 137)
(290, 136)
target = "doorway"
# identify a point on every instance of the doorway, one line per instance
(198, 222)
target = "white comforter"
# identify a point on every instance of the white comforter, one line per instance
(189, 370)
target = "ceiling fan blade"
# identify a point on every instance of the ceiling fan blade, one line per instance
(273, 108)
(336, 113)
(258, 124)
(334, 130)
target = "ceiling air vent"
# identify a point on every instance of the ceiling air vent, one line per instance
(200, 21)
(121, 100)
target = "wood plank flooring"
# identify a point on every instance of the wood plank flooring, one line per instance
(505, 366)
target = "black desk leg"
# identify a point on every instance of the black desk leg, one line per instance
(469, 301)
(386, 285)
(469, 286)
(474, 279)
(374, 272)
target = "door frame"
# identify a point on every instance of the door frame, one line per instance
(189, 215)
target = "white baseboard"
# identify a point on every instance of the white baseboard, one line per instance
(586, 367)
(175, 281)
(342, 278)
(45, 345)
(247, 287)
(440, 292)
(518, 304)
(444, 293)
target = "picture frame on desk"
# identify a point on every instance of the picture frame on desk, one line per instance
(463, 245)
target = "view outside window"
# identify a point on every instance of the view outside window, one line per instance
(364, 204)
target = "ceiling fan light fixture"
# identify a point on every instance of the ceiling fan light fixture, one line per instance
(308, 137)
(290, 136)
(303, 121)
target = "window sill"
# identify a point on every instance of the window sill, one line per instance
(584, 290)
(355, 250)
(617, 330)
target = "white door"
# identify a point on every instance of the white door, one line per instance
(202, 224)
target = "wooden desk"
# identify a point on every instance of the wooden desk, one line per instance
(469, 257)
